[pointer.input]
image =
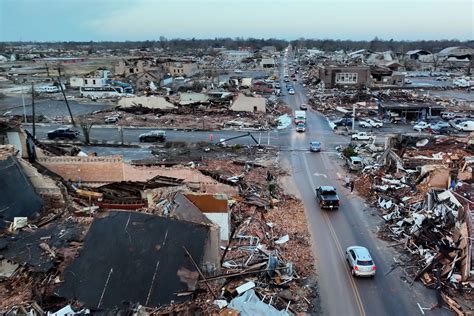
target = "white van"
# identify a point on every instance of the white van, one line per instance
(466, 126)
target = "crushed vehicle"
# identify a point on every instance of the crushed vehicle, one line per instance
(327, 197)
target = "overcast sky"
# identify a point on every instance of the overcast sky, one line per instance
(86, 20)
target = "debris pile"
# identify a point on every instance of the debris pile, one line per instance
(424, 195)
(260, 257)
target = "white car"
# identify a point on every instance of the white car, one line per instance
(238, 71)
(362, 136)
(370, 123)
(365, 124)
(375, 123)
(291, 91)
(421, 126)
(111, 119)
(360, 261)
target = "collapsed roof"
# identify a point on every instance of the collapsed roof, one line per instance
(137, 258)
(18, 197)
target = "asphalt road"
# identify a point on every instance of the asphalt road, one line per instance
(49, 107)
(353, 224)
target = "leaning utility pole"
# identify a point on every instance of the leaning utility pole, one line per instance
(65, 99)
(33, 108)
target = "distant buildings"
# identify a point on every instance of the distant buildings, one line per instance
(98, 80)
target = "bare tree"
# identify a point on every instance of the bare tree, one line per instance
(435, 61)
(86, 126)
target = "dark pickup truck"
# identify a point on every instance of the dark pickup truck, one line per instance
(327, 197)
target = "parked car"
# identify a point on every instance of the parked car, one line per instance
(375, 123)
(448, 115)
(347, 121)
(327, 197)
(421, 126)
(63, 132)
(466, 126)
(111, 119)
(354, 163)
(152, 136)
(364, 124)
(303, 107)
(456, 121)
(362, 136)
(440, 125)
(315, 146)
(360, 261)
(300, 127)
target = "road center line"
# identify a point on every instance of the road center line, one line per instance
(338, 245)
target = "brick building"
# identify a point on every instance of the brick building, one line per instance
(341, 76)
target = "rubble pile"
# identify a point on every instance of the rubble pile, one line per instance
(424, 195)
(268, 253)
(265, 258)
(202, 119)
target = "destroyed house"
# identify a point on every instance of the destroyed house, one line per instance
(18, 198)
(410, 111)
(130, 257)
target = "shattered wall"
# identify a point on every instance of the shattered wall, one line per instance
(192, 177)
(214, 208)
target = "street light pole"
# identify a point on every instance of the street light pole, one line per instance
(353, 115)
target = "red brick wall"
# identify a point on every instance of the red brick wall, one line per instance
(87, 169)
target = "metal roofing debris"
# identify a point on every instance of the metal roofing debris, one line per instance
(135, 257)
(250, 305)
(18, 197)
(37, 248)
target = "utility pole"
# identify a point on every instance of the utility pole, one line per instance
(65, 99)
(33, 108)
(23, 101)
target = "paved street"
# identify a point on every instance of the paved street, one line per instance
(353, 224)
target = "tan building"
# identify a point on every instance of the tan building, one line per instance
(177, 69)
(128, 67)
(248, 104)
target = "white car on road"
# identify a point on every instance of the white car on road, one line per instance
(362, 136)
(291, 91)
(370, 123)
(421, 126)
(360, 261)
